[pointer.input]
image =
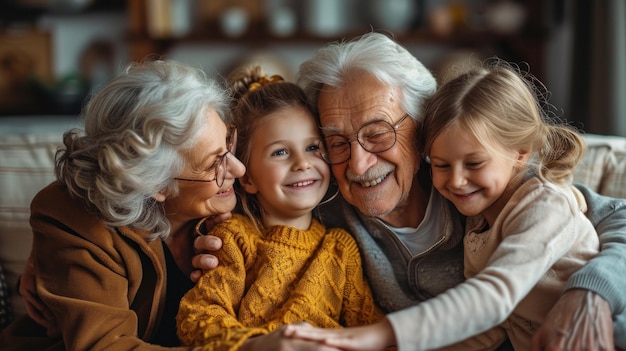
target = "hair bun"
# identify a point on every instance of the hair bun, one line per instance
(264, 81)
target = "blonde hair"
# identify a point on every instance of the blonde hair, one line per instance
(502, 106)
(254, 97)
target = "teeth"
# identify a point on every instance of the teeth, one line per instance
(373, 182)
(299, 184)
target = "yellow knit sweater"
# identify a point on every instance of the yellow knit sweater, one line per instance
(280, 276)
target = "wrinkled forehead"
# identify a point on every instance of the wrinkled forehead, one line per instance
(358, 101)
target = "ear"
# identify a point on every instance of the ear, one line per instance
(522, 158)
(159, 197)
(247, 184)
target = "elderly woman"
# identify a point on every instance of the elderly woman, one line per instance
(113, 236)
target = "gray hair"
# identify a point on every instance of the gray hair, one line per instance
(135, 130)
(375, 54)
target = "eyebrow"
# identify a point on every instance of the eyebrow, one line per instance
(330, 129)
(470, 155)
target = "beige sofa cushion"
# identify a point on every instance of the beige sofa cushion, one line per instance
(27, 163)
(26, 166)
(603, 167)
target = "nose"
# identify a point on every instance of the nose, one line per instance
(360, 159)
(235, 168)
(457, 177)
(302, 162)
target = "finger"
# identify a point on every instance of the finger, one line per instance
(305, 345)
(211, 222)
(314, 334)
(221, 217)
(207, 243)
(289, 330)
(202, 263)
(195, 275)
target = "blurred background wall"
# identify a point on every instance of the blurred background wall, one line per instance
(54, 53)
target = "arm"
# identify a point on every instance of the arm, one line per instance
(279, 341)
(27, 288)
(203, 261)
(84, 273)
(532, 244)
(208, 313)
(373, 337)
(359, 307)
(205, 245)
(604, 274)
(583, 314)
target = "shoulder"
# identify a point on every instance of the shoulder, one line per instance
(54, 206)
(236, 229)
(541, 198)
(62, 227)
(54, 198)
(237, 223)
(342, 239)
(338, 213)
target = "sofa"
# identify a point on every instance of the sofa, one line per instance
(27, 161)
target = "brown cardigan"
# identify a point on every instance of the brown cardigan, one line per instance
(106, 289)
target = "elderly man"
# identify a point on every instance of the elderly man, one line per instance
(369, 94)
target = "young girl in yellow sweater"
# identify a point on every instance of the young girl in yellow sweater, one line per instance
(278, 264)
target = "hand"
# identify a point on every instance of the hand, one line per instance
(278, 341)
(580, 320)
(203, 246)
(373, 337)
(35, 308)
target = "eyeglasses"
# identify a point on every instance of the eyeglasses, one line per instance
(376, 136)
(219, 167)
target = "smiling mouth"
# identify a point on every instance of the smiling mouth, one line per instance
(301, 184)
(371, 183)
(225, 190)
(465, 194)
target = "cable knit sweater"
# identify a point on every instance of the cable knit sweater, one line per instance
(279, 276)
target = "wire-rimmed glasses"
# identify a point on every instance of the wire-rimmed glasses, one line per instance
(375, 136)
(219, 167)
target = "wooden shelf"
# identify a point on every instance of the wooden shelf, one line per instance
(525, 46)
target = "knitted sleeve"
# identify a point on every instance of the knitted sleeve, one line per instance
(208, 312)
(359, 307)
(604, 273)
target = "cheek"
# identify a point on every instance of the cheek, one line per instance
(407, 164)
(195, 198)
(338, 172)
(406, 154)
(322, 167)
(438, 179)
(265, 178)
